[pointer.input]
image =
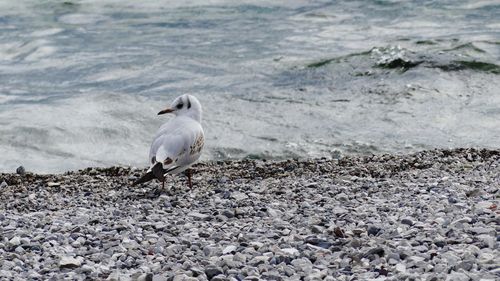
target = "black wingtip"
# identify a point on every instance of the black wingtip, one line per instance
(145, 178)
(158, 172)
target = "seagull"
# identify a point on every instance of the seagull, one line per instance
(178, 143)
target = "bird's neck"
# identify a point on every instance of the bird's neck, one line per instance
(194, 115)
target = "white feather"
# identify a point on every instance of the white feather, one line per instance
(179, 138)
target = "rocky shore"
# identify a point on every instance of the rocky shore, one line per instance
(432, 215)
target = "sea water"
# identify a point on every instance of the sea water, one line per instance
(81, 81)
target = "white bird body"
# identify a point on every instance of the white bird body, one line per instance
(179, 142)
(176, 140)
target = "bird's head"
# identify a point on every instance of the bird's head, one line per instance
(185, 105)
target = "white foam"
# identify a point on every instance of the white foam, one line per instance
(46, 32)
(82, 19)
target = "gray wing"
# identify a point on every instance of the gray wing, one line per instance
(173, 143)
(167, 149)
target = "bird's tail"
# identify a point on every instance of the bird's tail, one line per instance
(145, 178)
(157, 172)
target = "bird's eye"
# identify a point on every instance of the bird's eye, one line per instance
(180, 105)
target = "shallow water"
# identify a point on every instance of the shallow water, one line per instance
(81, 81)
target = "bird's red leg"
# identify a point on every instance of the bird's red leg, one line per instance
(163, 184)
(189, 172)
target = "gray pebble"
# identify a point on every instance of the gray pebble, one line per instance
(211, 271)
(407, 221)
(302, 265)
(69, 262)
(20, 170)
(229, 249)
(353, 222)
(373, 230)
(14, 241)
(457, 276)
(228, 213)
(199, 216)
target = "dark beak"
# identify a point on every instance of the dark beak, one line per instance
(168, 110)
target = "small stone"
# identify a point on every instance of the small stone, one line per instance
(273, 213)
(181, 277)
(195, 270)
(401, 267)
(460, 221)
(440, 243)
(219, 277)
(440, 268)
(486, 258)
(302, 265)
(465, 265)
(281, 259)
(373, 230)
(358, 231)
(19, 250)
(70, 262)
(339, 232)
(484, 205)
(240, 212)
(342, 197)
(53, 184)
(379, 251)
(173, 250)
(211, 251)
(256, 244)
(78, 242)
(290, 167)
(15, 241)
(392, 261)
(325, 244)
(474, 192)
(6, 264)
(317, 229)
(482, 230)
(229, 249)
(86, 268)
(6, 274)
(33, 276)
(160, 225)
(290, 251)
(199, 216)
(315, 274)
(487, 241)
(259, 260)
(20, 170)
(3, 184)
(142, 277)
(240, 257)
(457, 276)
(228, 213)
(407, 221)
(451, 258)
(238, 196)
(25, 241)
(355, 243)
(211, 271)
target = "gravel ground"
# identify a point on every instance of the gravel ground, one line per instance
(432, 215)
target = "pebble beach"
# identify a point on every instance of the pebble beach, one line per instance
(431, 215)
